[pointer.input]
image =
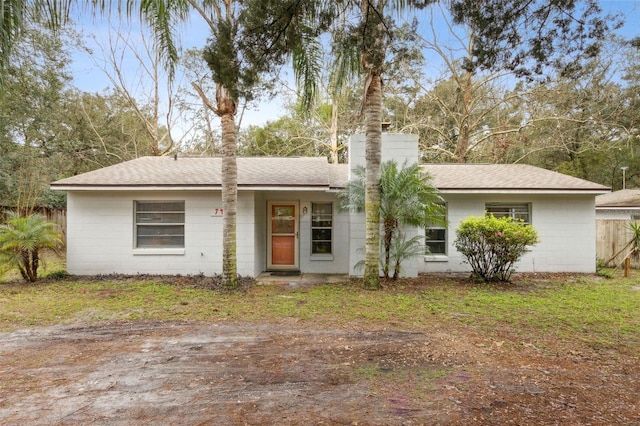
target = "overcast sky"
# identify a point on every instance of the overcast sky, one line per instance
(88, 77)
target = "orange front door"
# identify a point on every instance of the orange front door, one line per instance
(283, 234)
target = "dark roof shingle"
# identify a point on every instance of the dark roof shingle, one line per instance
(504, 177)
(622, 198)
(165, 171)
(267, 172)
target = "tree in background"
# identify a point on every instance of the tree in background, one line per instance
(320, 130)
(204, 131)
(99, 130)
(49, 131)
(463, 109)
(284, 137)
(148, 92)
(579, 126)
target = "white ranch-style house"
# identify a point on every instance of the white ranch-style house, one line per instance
(160, 215)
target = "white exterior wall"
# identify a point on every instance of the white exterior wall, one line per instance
(245, 235)
(566, 231)
(260, 236)
(400, 148)
(100, 234)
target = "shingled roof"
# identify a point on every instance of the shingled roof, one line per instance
(622, 198)
(258, 172)
(505, 177)
(315, 173)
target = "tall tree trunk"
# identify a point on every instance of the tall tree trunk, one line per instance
(333, 133)
(388, 225)
(462, 150)
(226, 109)
(373, 124)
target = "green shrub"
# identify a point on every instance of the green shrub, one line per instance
(56, 274)
(493, 245)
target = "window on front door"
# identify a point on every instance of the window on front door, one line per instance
(159, 224)
(321, 228)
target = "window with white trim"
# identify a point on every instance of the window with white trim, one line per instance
(516, 211)
(159, 224)
(321, 228)
(435, 240)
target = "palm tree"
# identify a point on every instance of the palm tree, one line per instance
(236, 65)
(240, 55)
(368, 41)
(22, 239)
(14, 14)
(407, 198)
(361, 48)
(526, 49)
(222, 55)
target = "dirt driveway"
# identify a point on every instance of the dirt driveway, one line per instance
(121, 373)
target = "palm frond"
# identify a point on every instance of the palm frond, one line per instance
(307, 66)
(353, 195)
(346, 66)
(162, 16)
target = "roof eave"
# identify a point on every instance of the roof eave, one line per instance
(549, 191)
(628, 207)
(283, 187)
(133, 187)
(187, 187)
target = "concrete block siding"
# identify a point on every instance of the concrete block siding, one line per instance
(565, 225)
(565, 222)
(101, 231)
(397, 147)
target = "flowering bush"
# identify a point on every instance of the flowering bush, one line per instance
(493, 245)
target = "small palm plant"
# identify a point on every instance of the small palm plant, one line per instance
(22, 239)
(407, 198)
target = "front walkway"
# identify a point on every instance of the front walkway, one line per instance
(302, 279)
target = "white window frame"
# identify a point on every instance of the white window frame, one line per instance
(512, 210)
(431, 256)
(158, 248)
(324, 217)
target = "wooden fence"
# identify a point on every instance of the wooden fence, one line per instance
(612, 235)
(59, 216)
